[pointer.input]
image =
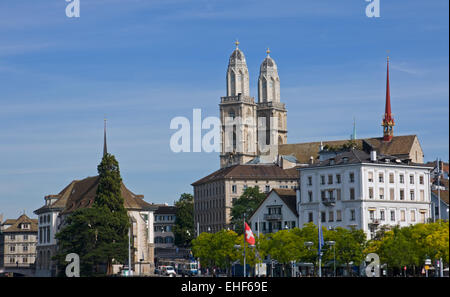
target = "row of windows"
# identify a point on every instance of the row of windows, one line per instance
(401, 178)
(332, 216)
(234, 188)
(44, 234)
(329, 194)
(44, 219)
(16, 248)
(331, 178)
(209, 190)
(167, 228)
(167, 239)
(392, 215)
(270, 226)
(214, 203)
(13, 260)
(159, 218)
(25, 237)
(210, 217)
(411, 196)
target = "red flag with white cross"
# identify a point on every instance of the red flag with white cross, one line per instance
(249, 235)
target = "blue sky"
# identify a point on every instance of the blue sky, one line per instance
(139, 63)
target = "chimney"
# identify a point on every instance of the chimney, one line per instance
(373, 156)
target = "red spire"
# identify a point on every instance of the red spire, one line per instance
(388, 120)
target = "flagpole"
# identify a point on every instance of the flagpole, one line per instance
(320, 230)
(245, 275)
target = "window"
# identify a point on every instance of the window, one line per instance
(381, 193)
(352, 215)
(370, 177)
(322, 179)
(421, 180)
(245, 187)
(338, 215)
(330, 216)
(309, 180)
(352, 193)
(234, 189)
(370, 193)
(381, 178)
(12, 237)
(402, 194)
(25, 237)
(48, 234)
(413, 216)
(310, 196)
(292, 224)
(330, 179)
(338, 194)
(372, 215)
(323, 195)
(267, 188)
(352, 177)
(411, 195)
(402, 178)
(392, 193)
(382, 218)
(392, 215)
(411, 179)
(310, 217)
(25, 248)
(422, 216)
(12, 248)
(323, 216)
(422, 195)
(24, 260)
(338, 178)
(391, 178)
(402, 216)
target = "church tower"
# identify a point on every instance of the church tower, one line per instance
(269, 104)
(388, 119)
(237, 114)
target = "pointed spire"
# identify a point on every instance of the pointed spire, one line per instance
(388, 120)
(354, 129)
(105, 150)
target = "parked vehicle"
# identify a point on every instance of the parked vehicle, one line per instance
(168, 271)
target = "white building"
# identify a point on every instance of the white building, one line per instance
(361, 190)
(277, 212)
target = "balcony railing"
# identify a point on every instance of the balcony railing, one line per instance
(273, 217)
(374, 221)
(329, 201)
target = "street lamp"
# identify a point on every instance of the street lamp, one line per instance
(333, 244)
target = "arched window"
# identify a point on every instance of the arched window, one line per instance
(232, 83)
(264, 89)
(241, 80)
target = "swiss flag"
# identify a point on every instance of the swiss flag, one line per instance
(249, 235)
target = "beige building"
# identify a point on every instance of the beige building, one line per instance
(214, 194)
(18, 243)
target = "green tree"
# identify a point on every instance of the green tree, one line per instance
(183, 229)
(246, 204)
(99, 235)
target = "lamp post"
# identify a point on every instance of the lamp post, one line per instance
(333, 244)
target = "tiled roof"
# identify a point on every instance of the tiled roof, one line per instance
(22, 219)
(82, 193)
(250, 171)
(165, 209)
(398, 146)
(443, 195)
(289, 198)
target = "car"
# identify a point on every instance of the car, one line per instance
(169, 271)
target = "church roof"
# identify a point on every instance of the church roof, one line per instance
(81, 193)
(399, 146)
(250, 171)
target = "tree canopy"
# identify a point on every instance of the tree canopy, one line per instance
(245, 204)
(184, 229)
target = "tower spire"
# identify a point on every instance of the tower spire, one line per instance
(105, 150)
(388, 119)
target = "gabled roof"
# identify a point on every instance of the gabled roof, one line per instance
(82, 193)
(398, 146)
(288, 196)
(443, 195)
(250, 171)
(15, 226)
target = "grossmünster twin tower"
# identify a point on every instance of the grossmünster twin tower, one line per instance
(239, 104)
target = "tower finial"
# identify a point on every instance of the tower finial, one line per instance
(236, 43)
(388, 120)
(105, 150)
(268, 51)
